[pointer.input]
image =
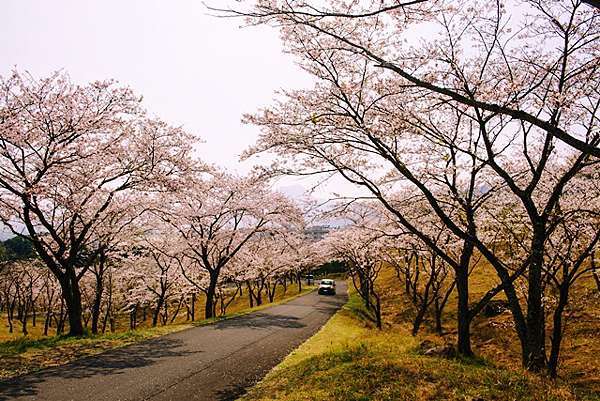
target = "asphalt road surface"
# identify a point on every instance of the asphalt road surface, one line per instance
(215, 362)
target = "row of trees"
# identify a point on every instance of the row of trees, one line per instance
(120, 215)
(149, 287)
(474, 124)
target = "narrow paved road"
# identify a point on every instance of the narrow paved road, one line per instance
(215, 362)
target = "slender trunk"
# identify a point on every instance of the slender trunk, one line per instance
(225, 303)
(24, 319)
(258, 294)
(440, 305)
(271, 291)
(9, 315)
(97, 304)
(109, 300)
(105, 320)
(60, 320)
(366, 289)
(418, 320)
(165, 314)
(193, 306)
(464, 318)
(597, 279)
(47, 321)
(595, 270)
(99, 289)
(178, 309)
(557, 330)
(133, 317)
(250, 294)
(516, 311)
(438, 316)
(377, 306)
(157, 310)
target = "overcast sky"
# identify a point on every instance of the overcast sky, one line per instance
(193, 69)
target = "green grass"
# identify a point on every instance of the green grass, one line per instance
(25, 344)
(348, 360)
(26, 355)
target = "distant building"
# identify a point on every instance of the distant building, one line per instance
(317, 233)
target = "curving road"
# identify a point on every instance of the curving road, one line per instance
(215, 362)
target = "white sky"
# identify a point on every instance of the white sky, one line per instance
(193, 69)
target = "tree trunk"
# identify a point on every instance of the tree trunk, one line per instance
(595, 270)
(47, 321)
(377, 306)
(258, 296)
(250, 294)
(60, 320)
(9, 315)
(157, 310)
(464, 320)
(97, 304)
(133, 317)
(178, 309)
(99, 289)
(557, 330)
(536, 353)
(438, 317)
(271, 291)
(24, 318)
(418, 320)
(193, 306)
(597, 279)
(209, 307)
(72, 297)
(165, 314)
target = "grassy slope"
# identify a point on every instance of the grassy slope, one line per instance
(349, 360)
(20, 355)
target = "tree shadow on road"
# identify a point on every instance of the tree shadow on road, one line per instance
(231, 393)
(261, 320)
(112, 362)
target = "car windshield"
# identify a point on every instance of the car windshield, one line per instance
(326, 282)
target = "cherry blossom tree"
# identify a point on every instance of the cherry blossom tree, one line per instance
(215, 218)
(572, 234)
(345, 133)
(492, 97)
(428, 280)
(535, 70)
(362, 249)
(114, 237)
(69, 152)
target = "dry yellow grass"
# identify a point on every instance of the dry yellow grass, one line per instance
(350, 360)
(494, 339)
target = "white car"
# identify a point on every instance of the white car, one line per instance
(327, 287)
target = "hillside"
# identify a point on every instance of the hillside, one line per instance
(350, 360)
